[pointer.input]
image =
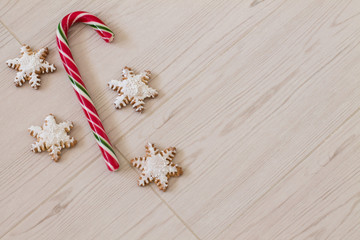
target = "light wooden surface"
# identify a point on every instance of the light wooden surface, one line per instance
(261, 98)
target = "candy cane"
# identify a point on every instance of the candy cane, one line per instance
(77, 83)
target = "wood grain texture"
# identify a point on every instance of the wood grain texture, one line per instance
(261, 99)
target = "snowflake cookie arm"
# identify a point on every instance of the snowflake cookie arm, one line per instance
(54, 152)
(127, 72)
(145, 76)
(138, 104)
(151, 92)
(151, 149)
(46, 67)
(34, 80)
(20, 79)
(173, 171)
(67, 126)
(115, 85)
(42, 53)
(121, 101)
(144, 179)
(168, 153)
(138, 162)
(25, 49)
(13, 63)
(34, 130)
(69, 143)
(49, 121)
(38, 147)
(162, 182)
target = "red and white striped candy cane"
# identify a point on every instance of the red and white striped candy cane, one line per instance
(77, 83)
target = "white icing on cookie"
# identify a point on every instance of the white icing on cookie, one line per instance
(29, 65)
(52, 137)
(132, 89)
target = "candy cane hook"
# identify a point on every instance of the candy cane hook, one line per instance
(77, 83)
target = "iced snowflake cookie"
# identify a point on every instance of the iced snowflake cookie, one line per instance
(157, 166)
(52, 137)
(29, 65)
(132, 89)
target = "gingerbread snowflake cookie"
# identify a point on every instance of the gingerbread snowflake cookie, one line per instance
(29, 65)
(132, 89)
(52, 137)
(157, 166)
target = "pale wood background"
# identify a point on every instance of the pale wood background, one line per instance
(261, 98)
